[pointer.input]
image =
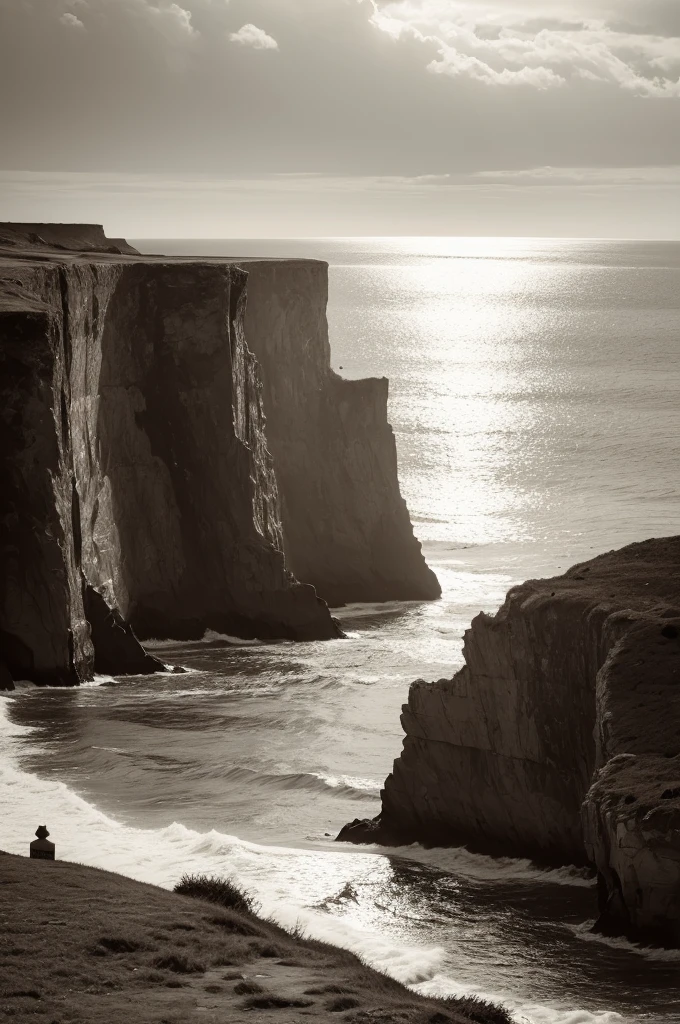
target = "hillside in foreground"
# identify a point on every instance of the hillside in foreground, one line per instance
(79, 946)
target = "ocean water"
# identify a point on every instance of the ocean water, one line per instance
(535, 397)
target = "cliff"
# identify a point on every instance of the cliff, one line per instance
(79, 238)
(75, 237)
(346, 528)
(140, 493)
(560, 738)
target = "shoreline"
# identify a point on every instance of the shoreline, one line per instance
(148, 951)
(177, 849)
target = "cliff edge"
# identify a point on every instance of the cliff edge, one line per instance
(140, 495)
(560, 737)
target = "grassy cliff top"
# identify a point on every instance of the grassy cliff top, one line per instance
(643, 577)
(79, 946)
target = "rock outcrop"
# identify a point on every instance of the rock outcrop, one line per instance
(139, 492)
(560, 738)
(70, 237)
(346, 528)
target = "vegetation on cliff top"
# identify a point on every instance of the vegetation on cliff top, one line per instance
(79, 946)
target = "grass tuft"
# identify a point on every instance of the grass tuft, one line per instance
(116, 944)
(248, 988)
(179, 964)
(235, 925)
(266, 949)
(479, 1010)
(342, 1003)
(328, 990)
(269, 1002)
(152, 976)
(217, 890)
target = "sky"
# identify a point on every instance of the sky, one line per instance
(281, 118)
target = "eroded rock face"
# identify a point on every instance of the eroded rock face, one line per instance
(631, 814)
(44, 634)
(136, 464)
(141, 493)
(560, 738)
(346, 528)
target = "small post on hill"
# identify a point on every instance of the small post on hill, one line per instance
(42, 848)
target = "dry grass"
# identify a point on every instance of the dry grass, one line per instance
(79, 946)
(217, 890)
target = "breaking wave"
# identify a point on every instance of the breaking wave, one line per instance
(343, 785)
(334, 894)
(477, 866)
(585, 932)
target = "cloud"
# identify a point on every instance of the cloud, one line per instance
(173, 17)
(182, 17)
(71, 21)
(610, 176)
(508, 42)
(511, 84)
(256, 38)
(453, 63)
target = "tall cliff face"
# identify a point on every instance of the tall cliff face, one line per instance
(45, 635)
(560, 738)
(346, 528)
(631, 813)
(139, 493)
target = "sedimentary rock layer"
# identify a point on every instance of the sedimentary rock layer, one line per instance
(136, 465)
(140, 489)
(560, 738)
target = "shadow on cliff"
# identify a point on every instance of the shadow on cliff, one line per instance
(193, 501)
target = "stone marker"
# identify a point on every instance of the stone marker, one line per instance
(42, 848)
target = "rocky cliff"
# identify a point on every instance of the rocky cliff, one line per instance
(140, 493)
(346, 528)
(560, 738)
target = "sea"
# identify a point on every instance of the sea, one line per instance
(535, 399)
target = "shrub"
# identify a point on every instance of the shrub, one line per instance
(216, 890)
